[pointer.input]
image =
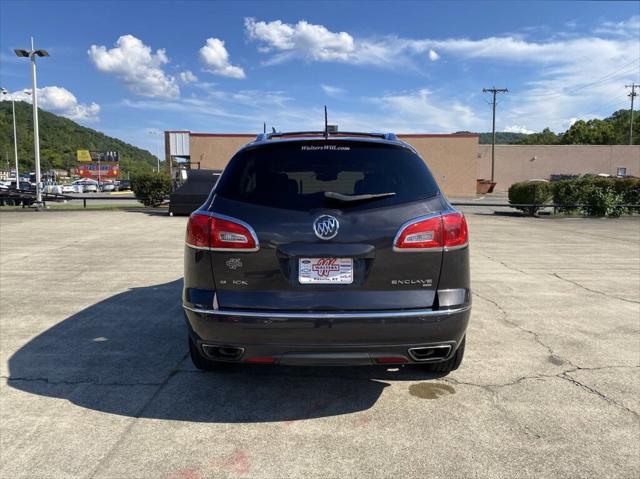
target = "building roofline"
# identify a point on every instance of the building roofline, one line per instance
(403, 135)
(501, 145)
(438, 135)
(226, 135)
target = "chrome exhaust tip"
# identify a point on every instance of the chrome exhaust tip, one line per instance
(437, 352)
(225, 353)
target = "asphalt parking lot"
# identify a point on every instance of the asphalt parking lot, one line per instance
(96, 381)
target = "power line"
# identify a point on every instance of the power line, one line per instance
(624, 70)
(494, 91)
(632, 95)
(620, 104)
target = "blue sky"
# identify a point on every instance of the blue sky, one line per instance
(130, 68)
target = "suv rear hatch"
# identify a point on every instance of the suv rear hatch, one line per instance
(321, 210)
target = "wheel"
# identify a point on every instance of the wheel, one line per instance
(451, 364)
(199, 360)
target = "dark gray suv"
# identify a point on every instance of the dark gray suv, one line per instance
(317, 249)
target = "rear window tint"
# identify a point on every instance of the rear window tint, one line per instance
(295, 175)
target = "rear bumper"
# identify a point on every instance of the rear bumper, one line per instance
(354, 338)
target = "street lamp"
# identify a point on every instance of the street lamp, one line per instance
(32, 54)
(15, 140)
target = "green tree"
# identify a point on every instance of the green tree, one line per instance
(591, 132)
(545, 137)
(502, 138)
(620, 122)
(60, 138)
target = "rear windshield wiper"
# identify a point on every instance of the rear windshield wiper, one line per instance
(352, 198)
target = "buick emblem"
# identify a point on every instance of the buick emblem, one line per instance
(326, 227)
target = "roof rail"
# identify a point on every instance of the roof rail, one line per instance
(268, 136)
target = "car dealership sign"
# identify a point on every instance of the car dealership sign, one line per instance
(110, 170)
(88, 156)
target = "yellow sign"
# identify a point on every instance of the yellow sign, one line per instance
(84, 156)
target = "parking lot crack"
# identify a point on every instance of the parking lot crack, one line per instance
(78, 381)
(612, 296)
(503, 264)
(565, 376)
(492, 386)
(504, 317)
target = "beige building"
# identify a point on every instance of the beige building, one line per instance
(526, 162)
(456, 160)
(451, 158)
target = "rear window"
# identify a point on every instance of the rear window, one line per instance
(295, 175)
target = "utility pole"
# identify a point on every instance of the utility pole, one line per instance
(494, 91)
(632, 95)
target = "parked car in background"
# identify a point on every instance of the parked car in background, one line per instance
(70, 189)
(124, 185)
(87, 185)
(321, 250)
(107, 186)
(52, 188)
(24, 185)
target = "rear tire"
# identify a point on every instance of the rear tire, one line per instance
(198, 359)
(451, 364)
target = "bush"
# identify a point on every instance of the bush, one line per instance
(537, 192)
(567, 192)
(602, 201)
(597, 196)
(629, 188)
(151, 188)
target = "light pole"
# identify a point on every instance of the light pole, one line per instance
(15, 137)
(32, 54)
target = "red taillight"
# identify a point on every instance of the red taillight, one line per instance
(455, 230)
(228, 234)
(423, 234)
(447, 231)
(211, 232)
(198, 231)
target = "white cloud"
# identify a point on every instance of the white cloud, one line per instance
(135, 64)
(61, 101)
(187, 77)
(216, 59)
(239, 111)
(517, 129)
(629, 27)
(315, 42)
(304, 40)
(252, 98)
(420, 111)
(569, 76)
(333, 91)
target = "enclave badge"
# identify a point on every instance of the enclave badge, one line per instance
(326, 227)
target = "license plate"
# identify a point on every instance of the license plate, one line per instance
(325, 270)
